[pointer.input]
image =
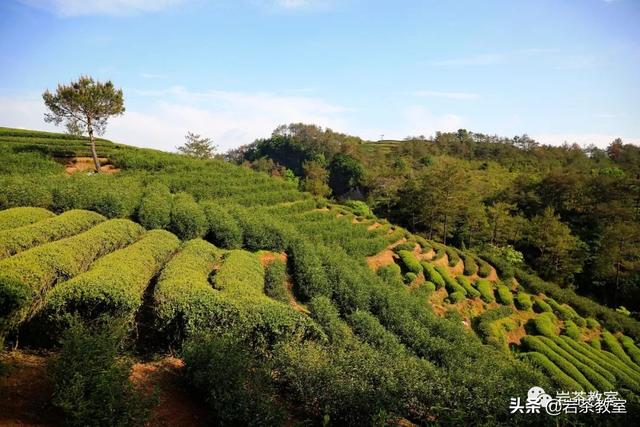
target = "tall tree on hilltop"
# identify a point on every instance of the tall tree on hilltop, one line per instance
(84, 106)
(198, 146)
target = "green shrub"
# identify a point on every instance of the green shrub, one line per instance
(187, 218)
(533, 343)
(235, 383)
(115, 284)
(424, 243)
(391, 274)
(260, 230)
(564, 312)
(440, 251)
(571, 330)
(325, 313)
(450, 284)
(223, 229)
(596, 343)
(632, 350)
(368, 328)
(540, 306)
(490, 330)
(543, 324)
(155, 208)
(264, 321)
(470, 265)
(586, 307)
(592, 323)
(456, 297)
(275, 275)
(563, 381)
(484, 269)
(471, 291)
(612, 344)
(429, 287)
(486, 290)
(505, 296)
(432, 275)
(17, 191)
(580, 321)
(55, 228)
(25, 277)
(623, 373)
(571, 353)
(18, 217)
(453, 256)
(409, 278)
(359, 208)
(309, 278)
(410, 261)
(407, 246)
(184, 301)
(523, 301)
(91, 384)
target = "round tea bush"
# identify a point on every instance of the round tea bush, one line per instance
(187, 219)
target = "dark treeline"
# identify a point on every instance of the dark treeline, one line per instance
(569, 213)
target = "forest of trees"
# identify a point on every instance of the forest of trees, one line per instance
(569, 213)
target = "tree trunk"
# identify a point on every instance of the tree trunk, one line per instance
(444, 238)
(96, 162)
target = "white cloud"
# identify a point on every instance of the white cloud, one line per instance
(69, 8)
(483, 59)
(229, 118)
(583, 139)
(447, 95)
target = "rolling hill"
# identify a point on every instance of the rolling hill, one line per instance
(357, 320)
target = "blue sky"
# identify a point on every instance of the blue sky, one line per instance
(559, 70)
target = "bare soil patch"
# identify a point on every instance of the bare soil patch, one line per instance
(85, 164)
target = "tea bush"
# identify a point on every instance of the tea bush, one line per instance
(222, 228)
(504, 295)
(67, 224)
(471, 291)
(275, 276)
(486, 290)
(25, 277)
(155, 207)
(539, 360)
(115, 284)
(187, 218)
(523, 301)
(432, 275)
(18, 217)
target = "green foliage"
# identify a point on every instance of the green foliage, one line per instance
(533, 343)
(368, 328)
(470, 264)
(571, 330)
(391, 274)
(430, 287)
(67, 224)
(410, 262)
(632, 350)
(197, 146)
(19, 217)
(484, 269)
(543, 324)
(456, 297)
(359, 208)
(155, 207)
(407, 246)
(17, 191)
(453, 256)
(612, 344)
(326, 315)
(115, 284)
(450, 284)
(187, 218)
(432, 275)
(581, 359)
(592, 323)
(486, 290)
(184, 301)
(471, 291)
(491, 330)
(505, 296)
(595, 342)
(91, 384)
(308, 275)
(25, 277)
(236, 384)
(275, 275)
(540, 306)
(523, 301)
(223, 229)
(409, 277)
(607, 317)
(561, 379)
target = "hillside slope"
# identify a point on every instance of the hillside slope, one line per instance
(360, 318)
